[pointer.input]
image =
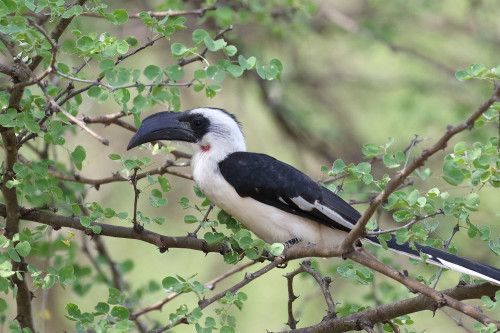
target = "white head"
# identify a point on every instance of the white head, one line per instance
(210, 131)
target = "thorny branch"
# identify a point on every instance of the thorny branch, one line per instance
(324, 283)
(137, 226)
(292, 322)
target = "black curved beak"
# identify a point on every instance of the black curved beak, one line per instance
(162, 126)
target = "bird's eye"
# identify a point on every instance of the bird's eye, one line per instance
(198, 123)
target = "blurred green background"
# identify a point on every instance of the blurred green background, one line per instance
(355, 72)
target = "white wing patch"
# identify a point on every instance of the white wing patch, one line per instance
(282, 200)
(461, 269)
(305, 205)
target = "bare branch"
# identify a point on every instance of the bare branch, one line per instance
(324, 284)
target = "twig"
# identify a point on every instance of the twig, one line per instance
(368, 328)
(205, 219)
(407, 225)
(457, 321)
(324, 284)
(394, 327)
(292, 322)
(137, 226)
(201, 56)
(72, 118)
(456, 228)
(211, 285)
(408, 152)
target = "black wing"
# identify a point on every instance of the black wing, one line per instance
(278, 184)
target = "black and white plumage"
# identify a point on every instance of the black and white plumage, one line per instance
(274, 200)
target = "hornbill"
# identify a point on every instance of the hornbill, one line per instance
(277, 202)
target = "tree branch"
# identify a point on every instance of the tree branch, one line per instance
(385, 313)
(161, 241)
(359, 229)
(170, 13)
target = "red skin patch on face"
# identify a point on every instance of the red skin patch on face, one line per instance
(205, 148)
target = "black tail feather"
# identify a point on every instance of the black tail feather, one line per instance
(444, 259)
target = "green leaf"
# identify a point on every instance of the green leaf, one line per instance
(460, 147)
(338, 166)
(121, 16)
(169, 282)
(370, 150)
(175, 72)
(7, 7)
(213, 238)
(164, 184)
(85, 221)
(199, 36)
(463, 75)
(151, 72)
(190, 219)
(477, 69)
(115, 297)
(78, 156)
(96, 229)
(276, 249)
(214, 45)
(3, 305)
(23, 248)
(178, 50)
(102, 308)
(118, 76)
(120, 312)
(452, 173)
(234, 70)
(85, 43)
(121, 47)
(94, 92)
(73, 11)
(230, 50)
(114, 157)
(210, 322)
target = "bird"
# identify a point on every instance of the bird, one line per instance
(274, 200)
